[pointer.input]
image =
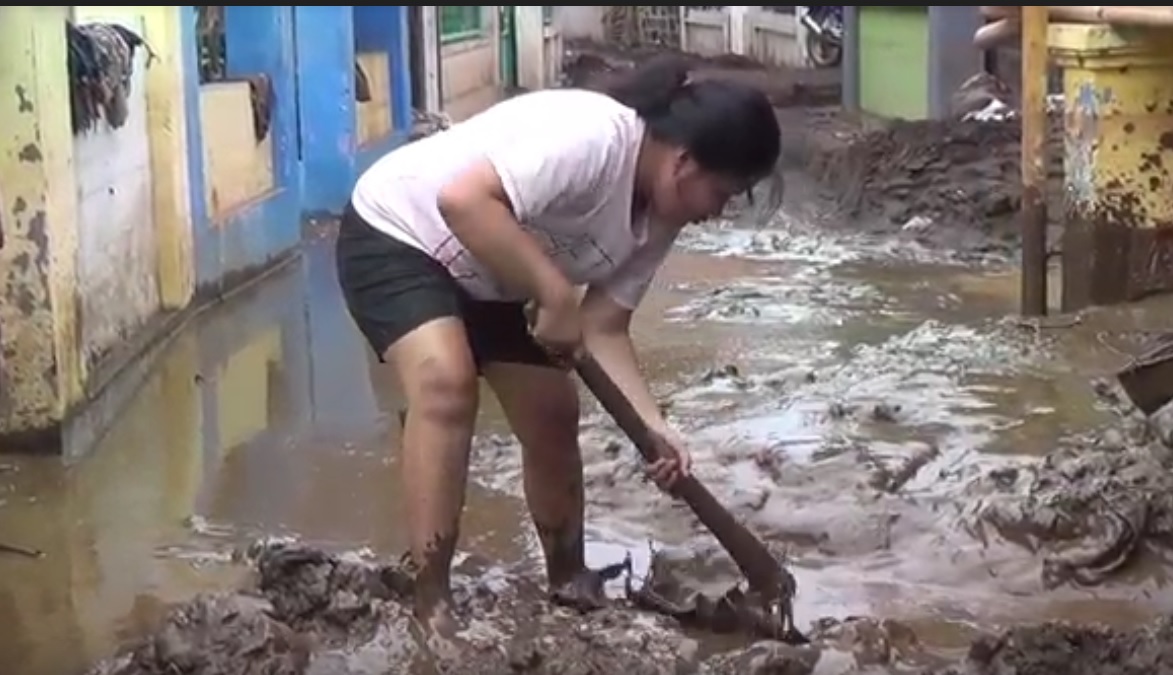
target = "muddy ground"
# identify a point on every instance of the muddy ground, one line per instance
(1090, 511)
(311, 612)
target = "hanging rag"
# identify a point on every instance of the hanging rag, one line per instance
(101, 64)
(362, 86)
(263, 98)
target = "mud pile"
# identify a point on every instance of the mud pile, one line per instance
(1094, 506)
(310, 613)
(953, 181)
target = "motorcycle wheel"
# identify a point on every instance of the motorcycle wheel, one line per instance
(823, 53)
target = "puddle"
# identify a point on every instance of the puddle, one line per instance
(849, 398)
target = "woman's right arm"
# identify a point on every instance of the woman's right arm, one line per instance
(479, 213)
(523, 174)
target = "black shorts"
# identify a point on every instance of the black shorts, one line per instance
(392, 288)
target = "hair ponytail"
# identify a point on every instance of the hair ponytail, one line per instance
(651, 88)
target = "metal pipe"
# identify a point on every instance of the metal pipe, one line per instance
(1005, 22)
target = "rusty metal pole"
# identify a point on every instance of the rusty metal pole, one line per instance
(1033, 210)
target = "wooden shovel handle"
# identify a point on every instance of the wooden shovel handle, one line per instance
(764, 573)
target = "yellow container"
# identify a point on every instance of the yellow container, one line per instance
(1118, 85)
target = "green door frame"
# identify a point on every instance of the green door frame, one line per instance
(507, 19)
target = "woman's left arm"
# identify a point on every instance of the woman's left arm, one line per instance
(607, 336)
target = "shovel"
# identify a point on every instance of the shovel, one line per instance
(1148, 380)
(766, 576)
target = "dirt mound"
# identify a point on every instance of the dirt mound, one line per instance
(963, 171)
(951, 180)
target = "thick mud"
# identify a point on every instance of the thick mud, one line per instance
(310, 612)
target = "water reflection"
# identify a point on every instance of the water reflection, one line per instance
(264, 416)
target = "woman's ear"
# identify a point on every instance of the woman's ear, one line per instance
(682, 163)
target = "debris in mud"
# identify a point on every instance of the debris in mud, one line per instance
(894, 479)
(1092, 506)
(23, 551)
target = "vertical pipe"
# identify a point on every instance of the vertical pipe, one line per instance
(850, 68)
(1033, 213)
(737, 29)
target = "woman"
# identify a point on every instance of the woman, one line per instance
(445, 240)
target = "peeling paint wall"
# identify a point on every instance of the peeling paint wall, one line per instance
(1118, 137)
(38, 301)
(118, 250)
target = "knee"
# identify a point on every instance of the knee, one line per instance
(552, 422)
(445, 391)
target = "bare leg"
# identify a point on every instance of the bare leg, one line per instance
(439, 380)
(541, 404)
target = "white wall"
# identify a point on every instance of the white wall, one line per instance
(539, 49)
(579, 21)
(118, 254)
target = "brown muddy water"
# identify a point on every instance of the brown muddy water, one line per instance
(848, 397)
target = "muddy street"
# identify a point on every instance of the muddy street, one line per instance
(933, 468)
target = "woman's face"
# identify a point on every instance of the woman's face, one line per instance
(686, 193)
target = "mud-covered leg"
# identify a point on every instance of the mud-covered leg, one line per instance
(439, 381)
(541, 404)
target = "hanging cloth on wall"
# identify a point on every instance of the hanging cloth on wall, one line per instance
(101, 63)
(362, 86)
(263, 98)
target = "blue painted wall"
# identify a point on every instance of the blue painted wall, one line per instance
(331, 161)
(308, 54)
(384, 28)
(324, 38)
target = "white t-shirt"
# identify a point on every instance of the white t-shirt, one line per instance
(566, 158)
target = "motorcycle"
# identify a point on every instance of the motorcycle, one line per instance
(824, 34)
